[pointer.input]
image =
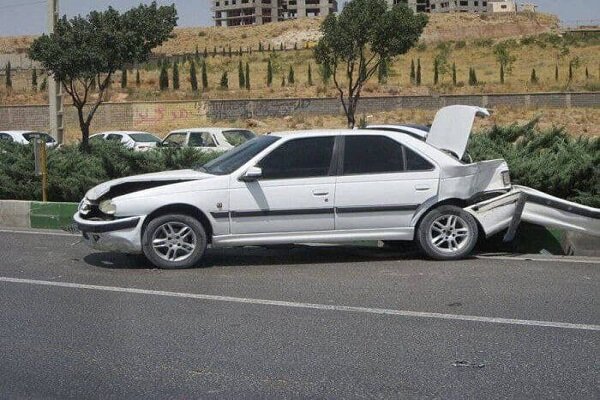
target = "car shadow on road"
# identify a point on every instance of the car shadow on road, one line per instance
(271, 255)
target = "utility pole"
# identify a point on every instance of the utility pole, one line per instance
(54, 89)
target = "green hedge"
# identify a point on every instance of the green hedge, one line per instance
(71, 173)
(550, 161)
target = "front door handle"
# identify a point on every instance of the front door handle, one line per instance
(422, 188)
(320, 193)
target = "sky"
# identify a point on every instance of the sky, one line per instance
(27, 17)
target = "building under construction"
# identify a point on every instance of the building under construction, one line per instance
(257, 12)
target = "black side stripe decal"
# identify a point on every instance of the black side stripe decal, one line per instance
(312, 211)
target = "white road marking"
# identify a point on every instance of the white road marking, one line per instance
(558, 259)
(325, 307)
(38, 233)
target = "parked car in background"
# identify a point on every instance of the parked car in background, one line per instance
(137, 141)
(26, 137)
(208, 139)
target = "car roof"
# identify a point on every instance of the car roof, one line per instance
(20, 132)
(210, 130)
(121, 132)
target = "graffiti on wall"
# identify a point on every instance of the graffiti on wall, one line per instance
(156, 114)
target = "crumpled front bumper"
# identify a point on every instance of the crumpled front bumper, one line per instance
(122, 235)
(522, 203)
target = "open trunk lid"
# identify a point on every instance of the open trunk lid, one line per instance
(452, 126)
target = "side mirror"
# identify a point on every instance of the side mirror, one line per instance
(253, 174)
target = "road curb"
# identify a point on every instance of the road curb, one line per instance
(35, 214)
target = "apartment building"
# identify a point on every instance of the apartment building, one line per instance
(257, 12)
(449, 6)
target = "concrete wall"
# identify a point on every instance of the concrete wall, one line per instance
(148, 114)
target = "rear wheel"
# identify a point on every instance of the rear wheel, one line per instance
(447, 233)
(174, 241)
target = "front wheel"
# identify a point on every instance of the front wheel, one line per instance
(174, 241)
(447, 233)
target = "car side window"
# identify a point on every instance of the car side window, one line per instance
(176, 139)
(369, 154)
(5, 137)
(414, 162)
(299, 158)
(201, 139)
(114, 137)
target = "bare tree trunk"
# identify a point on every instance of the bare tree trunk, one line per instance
(85, 131)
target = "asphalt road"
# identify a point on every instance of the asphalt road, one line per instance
(316, 322)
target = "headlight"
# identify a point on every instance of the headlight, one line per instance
(506, 178)
(107, 207)
(84, 207)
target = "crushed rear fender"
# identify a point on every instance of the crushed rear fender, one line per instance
(525, 204)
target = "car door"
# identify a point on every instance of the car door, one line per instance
(175, 139)
(295, 192)
(381, 184)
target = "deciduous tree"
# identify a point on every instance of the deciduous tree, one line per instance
(356, 41)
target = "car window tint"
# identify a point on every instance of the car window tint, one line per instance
(177, 139)
(300, 158)
(371, 155)
(40, 135)
(114, 137)
(414, 162)
(201, 139)
(144, 137)
(5, 137)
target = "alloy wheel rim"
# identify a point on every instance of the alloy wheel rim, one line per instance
(449, 233)
(174, 241)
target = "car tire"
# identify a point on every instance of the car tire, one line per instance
(447, 233)
(174, 241)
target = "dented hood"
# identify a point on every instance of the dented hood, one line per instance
(135, 183)
(452, 126)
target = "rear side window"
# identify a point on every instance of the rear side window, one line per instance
(176, 139)
(414, 162)
(236, 137)
(372, 155)
(5, 137)
(300, 158)
(43, 136)
(114, 137)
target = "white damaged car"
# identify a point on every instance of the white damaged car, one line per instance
(323, 186)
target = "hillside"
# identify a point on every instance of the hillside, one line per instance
(441, 27)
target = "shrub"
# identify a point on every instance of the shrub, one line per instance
(71, 173)
(549, 160)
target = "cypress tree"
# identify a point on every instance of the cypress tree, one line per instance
(205, 54)
(534, 78)
(587, 73)
(472, 77)
(193, 77)
(281, 47)
(34, 82)
(229, 51)
(283, 81)
(291, 79)
(214, 51)
(570, 72)
(224, 84)
(138, 79)
(454, 74)
(8, 79)
(269, 73)
(163, 80)
(260, 47)
(418, 79)
(240, 52)
(176, 76)
(556, 73)
(413, 74)
(502, 74)
(224, 52)
(295, 45)
(241, 76)
(123, 78)
(436, 73)
(204, 76)
(310, 81)
(44, 84)
(247, 76)
(269, 47)
(197, 53)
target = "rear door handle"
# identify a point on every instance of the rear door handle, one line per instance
(422, 188)
(320, 193)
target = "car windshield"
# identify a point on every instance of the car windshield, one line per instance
(238, 156)
(144, 137)
(44, 136)
(236, 137)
